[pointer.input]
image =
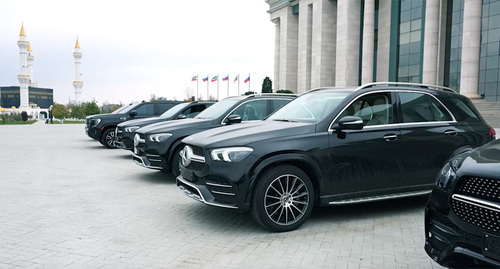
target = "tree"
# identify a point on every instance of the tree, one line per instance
(249, 93)
(60, 111)
(284, 91)
(267, 85)
(76, 111)
(24, 116)
(91, 108)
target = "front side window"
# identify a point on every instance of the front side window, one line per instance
(373, 109)
(145, 110)
(420, 107)
(253, 110)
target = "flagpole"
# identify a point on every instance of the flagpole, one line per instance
(249, 80)
(217, 87)
(197, 87)
(208, 83)
(227, 85)
(238, 84)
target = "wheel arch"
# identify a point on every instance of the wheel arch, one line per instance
(298, 160)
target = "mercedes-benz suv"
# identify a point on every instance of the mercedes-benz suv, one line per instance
(462, 216)
(125, 131)
(331, 146)
(157, 145)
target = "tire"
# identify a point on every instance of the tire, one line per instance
(283, 199)
(174, 163)
(108, 138)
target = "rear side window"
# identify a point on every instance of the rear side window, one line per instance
(194, 110)
(463, 111)
(420, 107)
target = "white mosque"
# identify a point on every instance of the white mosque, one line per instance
(28, 96)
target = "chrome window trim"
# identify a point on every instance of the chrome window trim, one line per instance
(330, 129)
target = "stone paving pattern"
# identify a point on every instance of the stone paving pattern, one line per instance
(67, 202)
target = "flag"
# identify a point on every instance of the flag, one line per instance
(225, 78)
(195, 78)
(247, 80)
(205, 79)
(214, 79)
(235, 79)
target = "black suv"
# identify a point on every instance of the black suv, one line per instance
(331, 146)
(157, 145)
(462, 217)
(125, 131)
(101, 127)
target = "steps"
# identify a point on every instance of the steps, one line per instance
(489, 110)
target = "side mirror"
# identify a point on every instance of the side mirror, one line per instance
(181, 117)
(233, 119)
(133, 113)
(351, 123)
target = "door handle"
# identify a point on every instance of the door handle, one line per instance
(390, 137)
(450, 133)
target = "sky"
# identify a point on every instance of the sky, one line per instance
(133, 50)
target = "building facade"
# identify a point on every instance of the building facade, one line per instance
(453, 43)
(38, 97)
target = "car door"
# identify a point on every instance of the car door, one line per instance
(366, 162)
(429, 136)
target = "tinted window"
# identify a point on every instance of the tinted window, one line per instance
(374, 109)
(169, 113)
(463, 111)
(145, 110)
(252, 110)
(419, 107)
(219, 108)
(162, 107)
(194, 110)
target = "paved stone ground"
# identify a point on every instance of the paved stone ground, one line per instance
(67, 202)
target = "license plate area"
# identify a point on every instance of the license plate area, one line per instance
(491, 246)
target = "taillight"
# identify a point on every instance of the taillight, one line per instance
(492, 133)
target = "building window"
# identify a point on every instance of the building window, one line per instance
(410, 41)
(489, 63)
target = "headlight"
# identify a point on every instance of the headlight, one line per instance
(231, 154)
(130, 129)
(94, 122)
(159, 137)
(446, 178)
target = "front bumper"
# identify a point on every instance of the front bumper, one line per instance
(455, 243)
(151, 162)
(201, 193)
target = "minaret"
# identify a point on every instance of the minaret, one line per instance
(31, 59)
(78, 83)
(24, 77)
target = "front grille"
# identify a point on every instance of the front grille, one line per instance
(477, 215)
(196, 166)
(474, 207)
(482, 188)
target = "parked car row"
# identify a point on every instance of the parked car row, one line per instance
(279, 156)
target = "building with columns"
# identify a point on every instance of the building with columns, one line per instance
(453, 43)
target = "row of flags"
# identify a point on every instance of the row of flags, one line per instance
(215, 78)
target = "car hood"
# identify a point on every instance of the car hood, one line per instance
(110, 116)
(169, 126)
(483, 161)
(245, 134)
(142, 122)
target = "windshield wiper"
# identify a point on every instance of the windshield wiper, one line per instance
(284, 120)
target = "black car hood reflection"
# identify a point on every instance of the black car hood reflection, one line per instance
(248, 133)
(168, 126)
(483, 161)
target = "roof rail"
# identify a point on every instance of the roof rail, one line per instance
(273, 94)
(406, 84)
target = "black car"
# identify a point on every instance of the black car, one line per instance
(125, 131)
(462, 217)
(331, 146)
(101, 127)
(157, 145)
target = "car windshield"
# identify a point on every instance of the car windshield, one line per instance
(127, 109)
(174, 110)
(218, 109)
(310, 107)
(118, 110)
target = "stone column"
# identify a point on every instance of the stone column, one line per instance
(368, 42)
(324, 43)
(431, 42)
(471, 44)
(276, 54)
(304, 46)
(348, 36)
(384, 40)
